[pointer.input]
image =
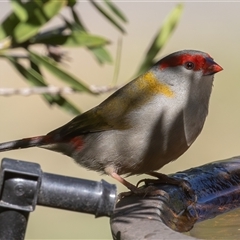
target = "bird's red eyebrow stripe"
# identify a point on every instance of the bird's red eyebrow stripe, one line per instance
(173, 61)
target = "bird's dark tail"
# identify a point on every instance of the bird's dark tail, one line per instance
(25, 143)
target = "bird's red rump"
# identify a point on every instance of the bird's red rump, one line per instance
(173, 61)
(77, 143)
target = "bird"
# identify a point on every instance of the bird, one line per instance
(141, 127)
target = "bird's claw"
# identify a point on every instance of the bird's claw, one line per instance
(181, 183)
(147, 191)
(188, 191)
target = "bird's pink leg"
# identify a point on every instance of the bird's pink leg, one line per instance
(127, 184)
(150, 190)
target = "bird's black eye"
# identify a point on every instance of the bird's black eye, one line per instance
(189, 65)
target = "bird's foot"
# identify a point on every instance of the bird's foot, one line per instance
(147, 191)
(164, 179)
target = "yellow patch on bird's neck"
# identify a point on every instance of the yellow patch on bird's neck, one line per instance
(150, 82)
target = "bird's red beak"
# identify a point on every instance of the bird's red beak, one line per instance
(211, 67)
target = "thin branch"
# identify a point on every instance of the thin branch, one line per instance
(53, 90)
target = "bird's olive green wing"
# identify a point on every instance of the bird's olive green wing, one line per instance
(87, 122)
(109, 115)
(113, 113)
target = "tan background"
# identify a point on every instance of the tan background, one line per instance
(210, 27)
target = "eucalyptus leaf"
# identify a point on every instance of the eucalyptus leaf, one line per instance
(41, 15)
(62, 102)
(106, 15)
(101, 54)
(12, 20)
(20, 10)
(77, 19)
(24, 72)
(71, 3)
(52, 7)
(116, 10)
(47, 34)
(36, 68)
(72, 39)
(69, 25)
(161, 38)
(8, 25)
(55, 69)
(36, 79)
(52, 99)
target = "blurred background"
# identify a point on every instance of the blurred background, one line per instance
(213, 27)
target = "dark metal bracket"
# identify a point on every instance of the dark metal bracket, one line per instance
(23, 185)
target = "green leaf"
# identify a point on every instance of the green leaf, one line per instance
(71, 3)
(41, 15)
(63, 103)
(12, 20)
(161, 38)
(106, 15)
(55, 69)
(77, 19)
(101, 54)
(20, 10)
(69, 25)
(52, 99)
(35, 78)
(72, 39)
(53, 7)
(116, 10)
(22, 70)
(8, 25)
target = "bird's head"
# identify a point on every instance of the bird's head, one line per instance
(186, 65)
